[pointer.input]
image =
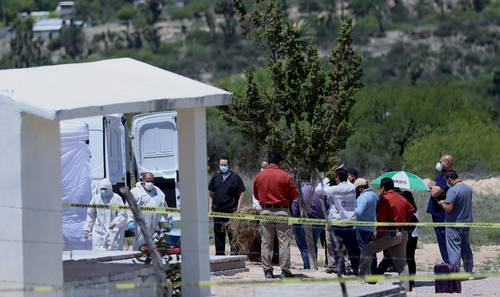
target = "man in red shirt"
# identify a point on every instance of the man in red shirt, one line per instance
(392, 207)
(275, 190)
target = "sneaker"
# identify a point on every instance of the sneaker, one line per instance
(286, 274)
(329, 270)
(268, 274)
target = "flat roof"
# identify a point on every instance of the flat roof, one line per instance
(48, 25)
(104, 87)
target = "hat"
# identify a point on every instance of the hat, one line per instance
(106, 184)
(360, 182)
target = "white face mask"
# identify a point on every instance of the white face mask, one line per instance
(439, 167)
(148, 186)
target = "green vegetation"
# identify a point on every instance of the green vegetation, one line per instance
(430, 71)
(400, 124)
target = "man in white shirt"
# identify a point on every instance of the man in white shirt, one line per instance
(340, 200)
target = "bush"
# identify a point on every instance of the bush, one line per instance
(365, 28)
(199, 37)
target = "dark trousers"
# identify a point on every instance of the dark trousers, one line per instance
(441, 238)
(220, 237)
(300, 239)
(411, 246)
(347, 237)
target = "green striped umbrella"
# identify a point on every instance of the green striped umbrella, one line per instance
(403, 180)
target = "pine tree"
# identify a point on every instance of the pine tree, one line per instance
(304, 111)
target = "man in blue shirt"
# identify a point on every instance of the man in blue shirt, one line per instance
(458, 208)
(438, 193)
(366, 211)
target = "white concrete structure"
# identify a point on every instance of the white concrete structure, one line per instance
(65, 9)
(32, 101)
(47, 29)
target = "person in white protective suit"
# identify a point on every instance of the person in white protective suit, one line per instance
(107, 225)
(147, 194)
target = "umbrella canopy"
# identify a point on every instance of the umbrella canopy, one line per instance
(403, 180)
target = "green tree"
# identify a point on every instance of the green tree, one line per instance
(374, 7)
(390, 117)
(73, 40)
(304, 111)
(153, 10)
(226, 9)
(127, 13)
(25, 50)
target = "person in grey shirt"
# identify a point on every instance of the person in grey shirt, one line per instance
(458, 208)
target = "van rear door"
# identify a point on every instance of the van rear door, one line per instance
(115, 149)
(154, 142)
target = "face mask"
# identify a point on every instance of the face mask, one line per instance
(148, 186)
(223, 168)
(449, 185)
(104, 193)
(439, 167)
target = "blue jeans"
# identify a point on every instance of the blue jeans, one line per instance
(441, 238)
(364, 237)
(300, 238)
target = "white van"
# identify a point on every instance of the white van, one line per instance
(108, 147)
(155, 146)
(154, 143)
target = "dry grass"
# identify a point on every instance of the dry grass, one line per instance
(246, 234)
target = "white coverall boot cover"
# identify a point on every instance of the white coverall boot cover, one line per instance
(153, 198)
(100, 221)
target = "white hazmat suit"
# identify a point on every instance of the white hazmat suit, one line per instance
(107, 225)
(153, 198)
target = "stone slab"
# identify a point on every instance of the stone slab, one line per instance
(224, 263)
(98, 256)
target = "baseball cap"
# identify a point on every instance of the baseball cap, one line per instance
(360, 182)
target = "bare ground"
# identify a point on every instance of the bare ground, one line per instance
(485, 258)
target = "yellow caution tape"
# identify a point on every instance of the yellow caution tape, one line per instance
(295, 280)
(293, 220)
(125, 286)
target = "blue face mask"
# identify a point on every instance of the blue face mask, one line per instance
(224, 168)
(104, 193)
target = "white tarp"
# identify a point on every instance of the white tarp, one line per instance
(76, 182)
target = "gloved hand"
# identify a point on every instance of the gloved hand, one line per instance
(131, 226)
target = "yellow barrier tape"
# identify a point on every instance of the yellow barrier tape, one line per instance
(295, 280)
(292, 220)
(125, 286)
(42, 289)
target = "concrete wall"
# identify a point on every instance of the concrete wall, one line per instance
(30, 206)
